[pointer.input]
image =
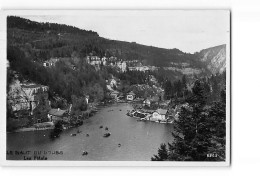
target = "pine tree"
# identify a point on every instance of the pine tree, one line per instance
(168, 90)
(162, 154)
(217, 121)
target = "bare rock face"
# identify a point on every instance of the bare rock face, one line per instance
(214, 58)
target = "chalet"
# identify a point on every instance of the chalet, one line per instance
(165, 103)
(114, 94)
(55, 115)
(151, 100)
(51, 62)
(160, 114)
(130, 96)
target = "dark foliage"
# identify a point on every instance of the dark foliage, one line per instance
(21, 23)
(44, 40)
(56, 131)
(199, 133)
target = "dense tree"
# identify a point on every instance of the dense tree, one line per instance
(56, 131)
(22, 23)
(162, 154)
(175, 89)
(199, 132)
(168, 89)
(62, 79)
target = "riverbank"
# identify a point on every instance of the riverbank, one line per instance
(37, 127)
(150, 115)
(50, 125)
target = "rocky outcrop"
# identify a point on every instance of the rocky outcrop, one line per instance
(214, 58)
(28, 97)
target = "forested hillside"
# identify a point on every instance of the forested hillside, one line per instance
(41, 41)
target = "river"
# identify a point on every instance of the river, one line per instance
(139, 140)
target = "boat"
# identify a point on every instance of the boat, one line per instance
(106, 128)
(107, 134)
(84, 153)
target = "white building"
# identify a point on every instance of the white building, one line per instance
(130, 96)
(122, 66)
(51, 63)
(160, 114)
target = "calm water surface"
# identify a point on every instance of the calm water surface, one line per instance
(139, 140)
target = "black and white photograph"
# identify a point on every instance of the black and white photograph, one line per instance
(118, 87)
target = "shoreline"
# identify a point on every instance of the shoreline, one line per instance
(98, 107)
(28, 129)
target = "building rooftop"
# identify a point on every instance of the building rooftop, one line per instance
(131, 93)
(162, 111)
(57, 112)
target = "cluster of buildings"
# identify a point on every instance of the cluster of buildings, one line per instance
(151, 108)
(159, 115)
(51, 62)
(96, 61)
(157, 110)
(92, 60)
(107, 61)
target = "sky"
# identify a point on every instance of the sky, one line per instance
(188, 30)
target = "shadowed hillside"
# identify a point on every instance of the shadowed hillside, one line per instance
(42, 41)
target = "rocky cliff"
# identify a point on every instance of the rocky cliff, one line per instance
(214, 58)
